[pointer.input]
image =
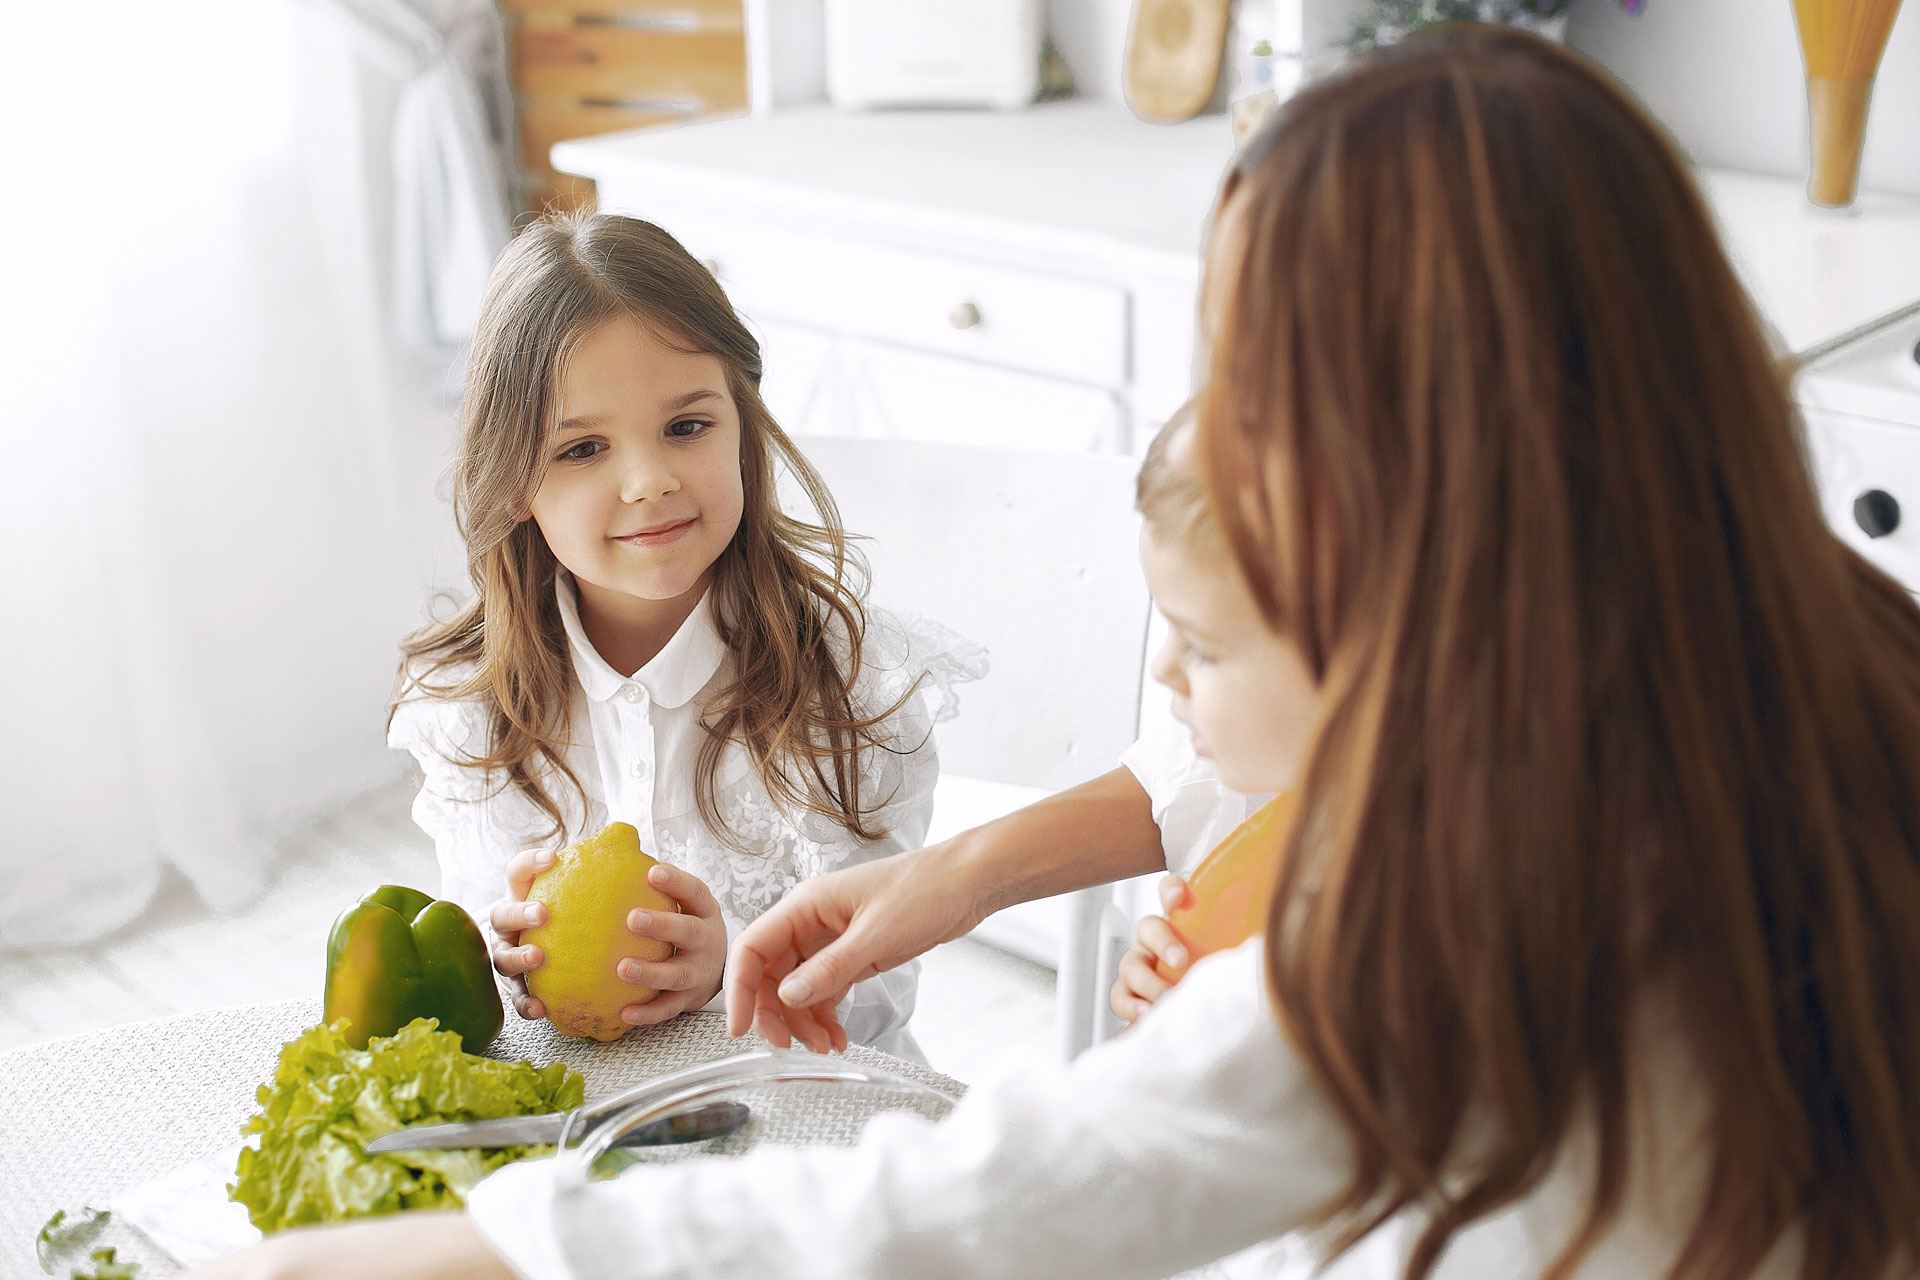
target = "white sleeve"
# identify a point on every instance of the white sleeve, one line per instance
(1195, 1135)
(451, 806)
(910, 657)
(1193, 809)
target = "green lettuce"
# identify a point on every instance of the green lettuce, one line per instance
(65, 1233)
(105, 1267)
(326, 1101)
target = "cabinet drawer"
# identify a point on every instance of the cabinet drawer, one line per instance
(631, 15)
(1857, 457)
(1072, 329)
(612, 64)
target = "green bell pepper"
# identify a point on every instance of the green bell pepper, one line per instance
(397, 955)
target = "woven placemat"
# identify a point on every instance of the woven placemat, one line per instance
(84, 1118)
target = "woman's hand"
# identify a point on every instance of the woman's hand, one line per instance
(691, 975)
(792, 966)
(1156, 960)
(418, 1245)
(508, 917)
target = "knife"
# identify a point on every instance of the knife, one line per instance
(695, 1124)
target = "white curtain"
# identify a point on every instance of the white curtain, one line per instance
(217, 470)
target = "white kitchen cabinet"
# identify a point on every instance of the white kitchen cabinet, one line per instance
(1009, 279)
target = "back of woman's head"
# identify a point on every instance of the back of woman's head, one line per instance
(1611, 721)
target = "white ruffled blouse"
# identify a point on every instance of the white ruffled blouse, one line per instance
(636, 759)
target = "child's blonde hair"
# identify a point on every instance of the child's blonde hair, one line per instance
(787, 594)
(1170, 492)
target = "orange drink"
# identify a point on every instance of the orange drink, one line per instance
(1233, 885)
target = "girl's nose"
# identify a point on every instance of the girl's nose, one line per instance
(1165, 666)
(647, 477)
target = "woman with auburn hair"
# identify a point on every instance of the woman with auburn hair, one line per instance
(1594, 946)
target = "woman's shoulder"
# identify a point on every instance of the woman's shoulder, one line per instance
(902, 650)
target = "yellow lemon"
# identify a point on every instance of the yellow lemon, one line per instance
(588, 891)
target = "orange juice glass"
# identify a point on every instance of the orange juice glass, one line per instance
(1233, 885)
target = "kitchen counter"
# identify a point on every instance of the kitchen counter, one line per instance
(1084, 184)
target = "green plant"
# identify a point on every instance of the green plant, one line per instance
(1386, 21)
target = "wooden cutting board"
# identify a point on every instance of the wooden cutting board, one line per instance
(1174, 50)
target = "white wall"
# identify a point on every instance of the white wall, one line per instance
(1724, 75)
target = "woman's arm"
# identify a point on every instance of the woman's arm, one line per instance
(1195, 1135)
(789, 968)
(417, 1246)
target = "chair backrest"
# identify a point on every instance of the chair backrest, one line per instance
(1033, 555)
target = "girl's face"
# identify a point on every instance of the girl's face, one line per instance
(1244, 691)
(642, 491)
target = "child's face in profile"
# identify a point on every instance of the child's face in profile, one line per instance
(1244, 691)
(642, 490)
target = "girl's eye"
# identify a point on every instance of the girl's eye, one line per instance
(582, 451)
(687, 428)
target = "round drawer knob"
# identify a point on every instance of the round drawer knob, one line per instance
(964, 316)
(1877, 512)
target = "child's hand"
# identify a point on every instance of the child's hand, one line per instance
(1155, 961)
(691, 975)
(508, 917)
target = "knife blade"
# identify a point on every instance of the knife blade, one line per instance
(695, 1124)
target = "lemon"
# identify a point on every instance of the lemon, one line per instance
(588, 891)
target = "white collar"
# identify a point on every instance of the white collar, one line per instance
(677, 672)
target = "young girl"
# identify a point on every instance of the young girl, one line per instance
(1593, 947)
(652, 639)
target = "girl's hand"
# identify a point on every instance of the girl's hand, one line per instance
(508, 917)
(691, 975)
(1156, 960)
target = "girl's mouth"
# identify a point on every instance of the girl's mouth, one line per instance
(658, 536)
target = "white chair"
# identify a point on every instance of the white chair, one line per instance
(1033, 555)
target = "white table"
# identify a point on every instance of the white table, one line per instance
(84, 1118)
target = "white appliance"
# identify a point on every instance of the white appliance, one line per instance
(1861, 400)
(933, 53)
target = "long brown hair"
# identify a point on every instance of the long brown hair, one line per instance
(1610, 717)
(787, 593)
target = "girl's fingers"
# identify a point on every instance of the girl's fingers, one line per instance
(1174, 894)
(1157, 938)
(523, 1004)
(1126, 1008)
(661, 975)
(1138, 978)
(683, 931)
(513, 961)
(685, 888)
(655, 1011)
(523, 867)
(510, 915)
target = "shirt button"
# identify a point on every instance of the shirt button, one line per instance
(632, 692)
(639, 768)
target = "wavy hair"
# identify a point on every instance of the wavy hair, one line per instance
(1610, 719)
(787, 593)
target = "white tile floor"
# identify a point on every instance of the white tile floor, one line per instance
(975, 1002)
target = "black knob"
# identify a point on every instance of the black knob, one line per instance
(1877, 512)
